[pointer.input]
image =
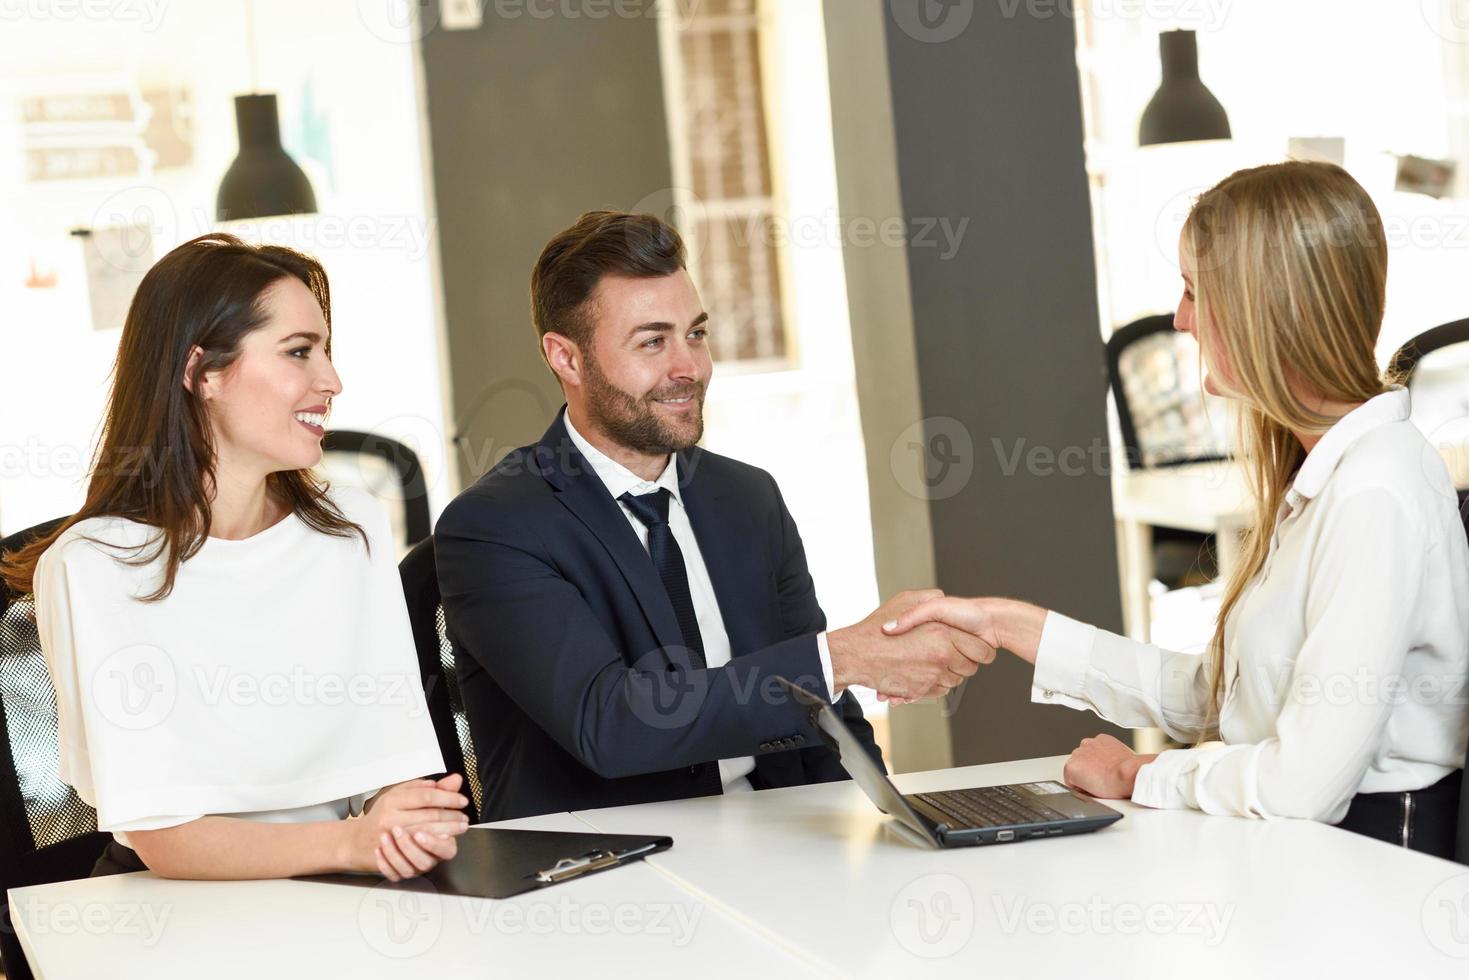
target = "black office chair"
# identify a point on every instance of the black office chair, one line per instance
(1461, 839)
(46, 832)
(436, 662)
(1160, 412)
(405, 485)
(1405, 361)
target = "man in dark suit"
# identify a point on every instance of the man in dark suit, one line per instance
(621, 600)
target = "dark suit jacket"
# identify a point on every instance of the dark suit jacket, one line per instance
(577, 687)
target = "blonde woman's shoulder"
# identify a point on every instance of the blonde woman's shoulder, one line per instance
(1396, 457)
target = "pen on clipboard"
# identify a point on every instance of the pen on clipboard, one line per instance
(568, 868)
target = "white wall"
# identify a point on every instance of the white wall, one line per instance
(374, 232)
(1387, 76)
(802, 425)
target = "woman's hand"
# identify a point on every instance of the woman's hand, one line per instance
(408, 828)
(1104, 767)
(996, 623)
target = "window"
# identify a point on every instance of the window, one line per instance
(726, 200)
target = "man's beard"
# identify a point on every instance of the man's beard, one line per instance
(634, 422)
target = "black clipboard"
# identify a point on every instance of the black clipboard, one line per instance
(496, 863)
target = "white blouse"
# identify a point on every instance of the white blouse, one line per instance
(277, 681)
(1346, 658)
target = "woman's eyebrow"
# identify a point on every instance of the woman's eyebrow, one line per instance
(310, 335)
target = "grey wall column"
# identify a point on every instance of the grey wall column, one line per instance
(532, 120)
(986, 131)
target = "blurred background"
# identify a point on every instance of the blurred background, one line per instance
(937, 239)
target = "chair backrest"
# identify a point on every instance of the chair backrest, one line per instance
(1153, 372)
(46, 832)
(1405, 361)
(436, 663)
(1461, 842)
(386, 468)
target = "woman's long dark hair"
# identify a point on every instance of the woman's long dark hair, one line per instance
(156, 458)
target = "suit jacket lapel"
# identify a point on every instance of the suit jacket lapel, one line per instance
(582, 492)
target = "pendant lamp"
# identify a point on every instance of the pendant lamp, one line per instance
(263, 181)
(1183, 109)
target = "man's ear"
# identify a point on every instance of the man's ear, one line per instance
(195, 353)
(564, 357)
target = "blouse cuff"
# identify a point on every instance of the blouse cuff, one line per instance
(1061, 662)
(1167, 782)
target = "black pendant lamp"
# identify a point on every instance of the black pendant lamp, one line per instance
(263, 181)
(1183, 109)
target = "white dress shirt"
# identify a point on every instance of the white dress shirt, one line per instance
(1346, 657)
(619, 480)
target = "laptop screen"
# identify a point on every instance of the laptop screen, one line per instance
(859, 765)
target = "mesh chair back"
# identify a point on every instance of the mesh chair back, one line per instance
(436, 664)
(388, 470)
(46, 832)
(1153, 371)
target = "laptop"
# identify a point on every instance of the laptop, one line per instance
(958, 817)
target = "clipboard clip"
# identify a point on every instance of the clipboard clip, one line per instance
(568, 868)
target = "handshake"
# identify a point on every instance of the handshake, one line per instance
(918, 644)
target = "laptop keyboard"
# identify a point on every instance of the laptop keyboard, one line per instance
(990, 806)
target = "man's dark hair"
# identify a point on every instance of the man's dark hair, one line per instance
(601, 243)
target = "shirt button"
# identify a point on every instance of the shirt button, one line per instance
(693, 770)
(1047, 694)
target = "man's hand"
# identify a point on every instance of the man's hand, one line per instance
(927, 661)
(1104, 767)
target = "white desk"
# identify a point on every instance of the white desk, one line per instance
(811, 880)
(631, 922)
(1158, 894)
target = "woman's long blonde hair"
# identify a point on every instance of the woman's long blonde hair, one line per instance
(1290, 279)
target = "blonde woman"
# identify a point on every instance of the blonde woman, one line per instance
(1334, 687)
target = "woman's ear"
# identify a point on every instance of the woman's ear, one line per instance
(195, 353)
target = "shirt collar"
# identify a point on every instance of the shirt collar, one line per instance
(618, 478)
(1393, 405)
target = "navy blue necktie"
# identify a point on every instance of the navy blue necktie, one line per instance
(652, 510)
